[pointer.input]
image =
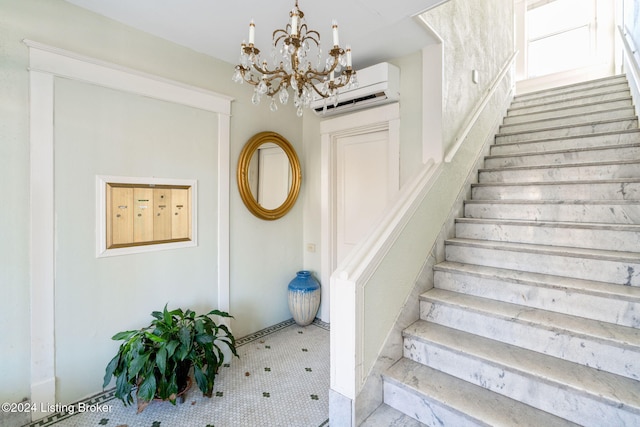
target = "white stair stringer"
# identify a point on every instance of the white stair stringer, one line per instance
(534, 319)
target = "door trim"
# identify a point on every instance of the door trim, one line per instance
(386, 117)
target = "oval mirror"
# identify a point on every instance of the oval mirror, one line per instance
(268, 175)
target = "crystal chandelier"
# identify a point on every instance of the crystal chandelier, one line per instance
(294, 50)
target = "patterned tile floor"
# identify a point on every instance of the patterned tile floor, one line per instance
(280, 380)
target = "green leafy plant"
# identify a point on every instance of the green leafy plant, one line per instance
(157, 359)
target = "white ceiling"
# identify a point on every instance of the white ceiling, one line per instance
(377, 30)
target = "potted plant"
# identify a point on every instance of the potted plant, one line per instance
(157, 359)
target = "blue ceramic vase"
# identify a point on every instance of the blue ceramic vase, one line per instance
(304, 297)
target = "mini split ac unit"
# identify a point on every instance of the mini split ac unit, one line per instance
(377, 85)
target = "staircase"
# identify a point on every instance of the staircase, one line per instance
(534, 319)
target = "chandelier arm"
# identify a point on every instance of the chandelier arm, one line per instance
(335, 54)
(274, 89)
(277, 40)
(311, 35)
(316, 90)
(284, 34)
(270, 77)
(246, 77)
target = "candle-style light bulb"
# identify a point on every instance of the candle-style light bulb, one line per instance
(252, 32)
(348, 51)
(294, 22)
(336, 41)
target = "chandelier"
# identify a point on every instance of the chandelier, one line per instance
(294, 51)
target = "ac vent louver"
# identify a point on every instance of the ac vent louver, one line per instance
(378, 84)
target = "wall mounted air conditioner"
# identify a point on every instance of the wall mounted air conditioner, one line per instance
(377, 85)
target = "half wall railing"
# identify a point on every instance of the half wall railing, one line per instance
(631, 65)
(370, 287)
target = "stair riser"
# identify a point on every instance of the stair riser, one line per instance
(581, 109)
(562, 191)
(596, 91)
(606, 356)
(565, 132)
(560, 300)
(581, 119)
(579, 142)
(569, 173)
(573, 405)
(566, 157)
(574, 212)
(424, 409)
(611, 271)
(573, 89)
(593, 238)
(536, 107)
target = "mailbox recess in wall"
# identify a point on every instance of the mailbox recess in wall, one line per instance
(147, 214)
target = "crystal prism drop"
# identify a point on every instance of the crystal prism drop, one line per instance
(284, 96)
(237, 77)
(255, 99)
(262, 88)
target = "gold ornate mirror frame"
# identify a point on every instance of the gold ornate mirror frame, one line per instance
(243, 175)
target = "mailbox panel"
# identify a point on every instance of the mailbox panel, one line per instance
(143, 214)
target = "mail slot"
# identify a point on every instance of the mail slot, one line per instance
(161, 214)
(142, 214)
(120, 216)
(180, 218)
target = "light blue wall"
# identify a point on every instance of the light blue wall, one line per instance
(96, 298)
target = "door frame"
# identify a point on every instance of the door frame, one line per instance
(386, 117)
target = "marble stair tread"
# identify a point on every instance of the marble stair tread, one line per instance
(628, 294)
(594, 211)
(473, 404)
(564, 96)
(534, 105)
(583, 298)
(609, 189)
(555, 224)
(599, 170)
(623, 101)
(615, 267)
(386, 416)
(567, 119)
(624, 336)
(605, 82)
(574, 156)
(549, 250)
(600, 345)
(615, 237)
(568, 142)
(520, 366)
(560, 131)
(528, 107)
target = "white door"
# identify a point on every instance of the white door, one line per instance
(275, 177)
(363, 186)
